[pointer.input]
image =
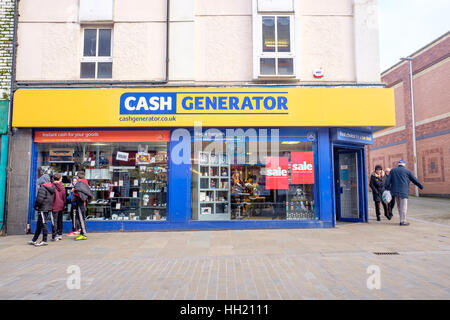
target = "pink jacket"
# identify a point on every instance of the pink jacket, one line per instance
(59, 199)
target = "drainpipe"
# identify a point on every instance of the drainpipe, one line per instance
(167, 39)
(416, 173)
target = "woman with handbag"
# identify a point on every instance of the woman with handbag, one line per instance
(377, 181)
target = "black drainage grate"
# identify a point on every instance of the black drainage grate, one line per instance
(385, 253)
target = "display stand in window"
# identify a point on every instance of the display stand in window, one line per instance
(212, 197)
(300, 202)
(141, 193)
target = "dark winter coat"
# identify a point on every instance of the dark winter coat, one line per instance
(83, 191)
(44, 198)
(377, 186)
(59, 200)
(398, 182)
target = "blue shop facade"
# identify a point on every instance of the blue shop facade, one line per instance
(224, 171)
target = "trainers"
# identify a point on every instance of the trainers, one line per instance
(73, 233)
(31, 242)
(59, 238)
(81, 237)
(40, 244)
(404, 223)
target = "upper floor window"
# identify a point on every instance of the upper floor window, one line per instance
(276, 56)
(96, 61)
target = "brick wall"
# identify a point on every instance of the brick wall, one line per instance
(433, 159)
(6, 45)
(432, 103)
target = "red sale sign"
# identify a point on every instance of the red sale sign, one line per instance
(277, 173)
(302, 167)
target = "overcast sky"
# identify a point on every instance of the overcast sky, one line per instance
(408, 25)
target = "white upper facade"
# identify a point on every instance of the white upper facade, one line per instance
(210, 41)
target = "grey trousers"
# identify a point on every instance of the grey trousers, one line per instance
(402, 205)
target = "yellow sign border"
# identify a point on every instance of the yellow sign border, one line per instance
(307, 107)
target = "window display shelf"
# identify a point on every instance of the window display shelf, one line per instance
(215, 177)
(211, 182)
(160, 182)
(213, 201)
(98, 206)
(68, 162)
(124, 197)
(155, 191)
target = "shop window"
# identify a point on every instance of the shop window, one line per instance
(240, 181)
(96, 61)
(275, 54)
(128, 179)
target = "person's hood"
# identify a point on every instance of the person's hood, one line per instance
(49, 186)
(59, 186)
(43, 179)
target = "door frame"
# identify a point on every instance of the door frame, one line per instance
(362, 178)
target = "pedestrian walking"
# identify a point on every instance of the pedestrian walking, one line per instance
(76, 228)
(43, 205)
(59, 203)
(391, 204)
(377, 182)
(398, 183)
(82, 193)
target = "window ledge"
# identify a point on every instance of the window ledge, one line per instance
(277, 77)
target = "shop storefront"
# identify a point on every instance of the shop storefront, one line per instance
(206, 158)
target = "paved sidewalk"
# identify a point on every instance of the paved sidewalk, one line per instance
(427, 209)
(240, 264)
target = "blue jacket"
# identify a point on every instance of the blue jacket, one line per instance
(398, 182)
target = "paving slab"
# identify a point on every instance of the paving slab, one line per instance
(242, 264)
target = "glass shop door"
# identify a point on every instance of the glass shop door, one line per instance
(347, 182)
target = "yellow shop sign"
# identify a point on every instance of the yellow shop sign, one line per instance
(221, 107)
